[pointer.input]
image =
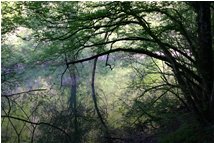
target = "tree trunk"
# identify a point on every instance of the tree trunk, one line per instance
(73, 100)
(205, 59)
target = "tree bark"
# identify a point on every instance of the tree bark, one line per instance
(205, 53)
(205, 59)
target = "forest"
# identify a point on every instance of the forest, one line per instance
(107, 72)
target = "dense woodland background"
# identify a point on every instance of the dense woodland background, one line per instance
(116, 72)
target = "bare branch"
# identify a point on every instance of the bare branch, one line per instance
(94, 95)
(36, 123)
(29, 91)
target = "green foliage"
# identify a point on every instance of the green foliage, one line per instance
(141, 93)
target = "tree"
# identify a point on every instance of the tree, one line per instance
(177, 33)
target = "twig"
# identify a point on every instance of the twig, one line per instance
(36, 123)
(67, 66)
(107, 64)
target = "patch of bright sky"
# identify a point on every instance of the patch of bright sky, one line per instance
(15, 41)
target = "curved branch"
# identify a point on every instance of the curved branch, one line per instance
(144, 39)
(130, 50)
(71, 33)
(94, 95)
(121, 39)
